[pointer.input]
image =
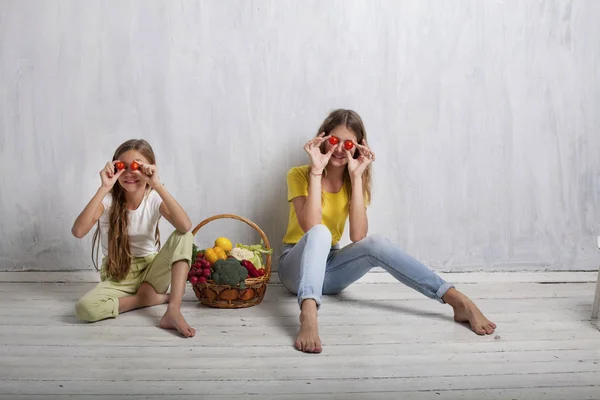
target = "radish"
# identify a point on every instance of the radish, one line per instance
(194, 280)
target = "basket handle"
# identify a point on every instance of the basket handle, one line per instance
(248, 222)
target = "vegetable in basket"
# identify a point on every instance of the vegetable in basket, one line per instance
(252, 271)
(212, 254)
(229, 272)
(257, 251)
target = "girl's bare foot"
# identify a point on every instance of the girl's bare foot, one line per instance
(308, 339)
(466, 311)
(173, 319)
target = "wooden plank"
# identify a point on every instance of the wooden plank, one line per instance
(181, 349)
(300, 385)
(291, 361)
(235, 369)
(546, 393)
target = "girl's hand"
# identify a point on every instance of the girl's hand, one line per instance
(149, 174)
(318, 160)
(108, 177)
(356, 166)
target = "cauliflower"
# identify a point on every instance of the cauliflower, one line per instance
(241, 254)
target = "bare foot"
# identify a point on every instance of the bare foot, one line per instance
(147, 296)
(468, 312)
(308, 339)
(174, 320)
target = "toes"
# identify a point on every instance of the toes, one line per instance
(298, 345)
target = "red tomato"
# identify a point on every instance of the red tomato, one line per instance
(119, 165)
(134, 166)
(334, 140)
(348, 145)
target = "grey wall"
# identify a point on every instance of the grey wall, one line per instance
(483, 114)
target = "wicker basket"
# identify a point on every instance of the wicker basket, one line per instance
(225, 296)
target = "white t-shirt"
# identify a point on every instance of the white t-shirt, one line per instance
(142, 225)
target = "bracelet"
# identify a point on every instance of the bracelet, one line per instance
(313, 174)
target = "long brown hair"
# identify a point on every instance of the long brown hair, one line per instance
(352, 121)
(119, 255)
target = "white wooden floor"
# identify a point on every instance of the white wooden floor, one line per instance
(381, 341)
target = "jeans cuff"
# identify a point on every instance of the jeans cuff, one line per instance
(442, 291)
(309, 297)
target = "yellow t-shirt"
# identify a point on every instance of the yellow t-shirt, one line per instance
(334, 212)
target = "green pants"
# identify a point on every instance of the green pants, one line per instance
(103, 301)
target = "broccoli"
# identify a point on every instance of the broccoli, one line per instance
(229, 272)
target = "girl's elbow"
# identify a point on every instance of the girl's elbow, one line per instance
(78, 233)
(357, 238)
(186, 227)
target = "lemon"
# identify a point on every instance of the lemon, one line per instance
(224, 243)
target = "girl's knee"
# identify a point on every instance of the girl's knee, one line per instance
(320, 232)
(177, 236)
(374, 242)
(92, 310)
(84, 310)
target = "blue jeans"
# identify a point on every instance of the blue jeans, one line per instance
(311, 267)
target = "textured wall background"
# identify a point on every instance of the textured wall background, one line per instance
(483, 114)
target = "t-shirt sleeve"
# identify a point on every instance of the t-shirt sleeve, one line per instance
(155, 201)
(106, 202)
(297, 183)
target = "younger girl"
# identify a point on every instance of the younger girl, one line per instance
(134, 273)
(323, 195)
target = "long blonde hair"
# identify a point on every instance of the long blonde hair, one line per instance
(119, 254)
(352, 121)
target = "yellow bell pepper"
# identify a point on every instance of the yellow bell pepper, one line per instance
(211, 256)
(221, 254)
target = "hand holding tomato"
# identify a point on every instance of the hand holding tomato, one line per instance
(356, 166)
(318, 160)
(108, 176)
(148, 173)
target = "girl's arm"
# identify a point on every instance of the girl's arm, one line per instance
(172, 211)
(94, 209)
(90, 214)
(170, 208)
(359, 224)
(308, 208)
